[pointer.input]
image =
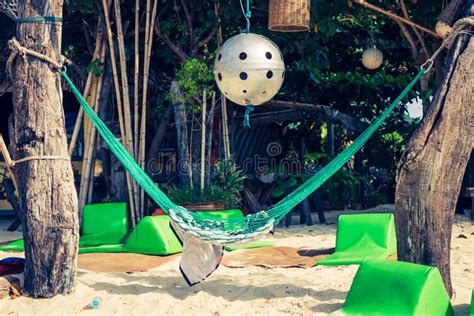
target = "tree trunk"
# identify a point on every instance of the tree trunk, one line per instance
(183, 164)
(47, 195)
(432, 167)
(159, 135)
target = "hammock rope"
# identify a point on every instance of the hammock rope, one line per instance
(231, 231)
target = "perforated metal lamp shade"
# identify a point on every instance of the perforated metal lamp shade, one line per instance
(249, 69)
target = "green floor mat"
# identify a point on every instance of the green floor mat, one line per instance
(363, 236)
(153, 236)
(104, 224)
(251, 245)
(387, 287)
(17, 245)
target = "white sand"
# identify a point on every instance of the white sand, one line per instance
(244, 291)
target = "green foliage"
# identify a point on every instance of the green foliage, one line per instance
(97, 67)
(225, 187)
(374, 199)
(342, 189)
(193, 77)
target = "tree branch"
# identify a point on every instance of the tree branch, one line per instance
(396, 17)
(417, 32)
(175, 48)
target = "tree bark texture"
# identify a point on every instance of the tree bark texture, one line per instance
(432, 167)
(47, 195)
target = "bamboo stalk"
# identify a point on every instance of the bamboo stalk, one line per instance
(203, 139)
(86, 153)
(396, 17)
(146, 67)
(209, 137)
(126, 100)
(123, 72)
(136, 100)
(8, 161)
(225, 125)
(77, 126)
(89, 157)
(119, 103)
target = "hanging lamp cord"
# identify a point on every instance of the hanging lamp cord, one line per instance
(247, 13)
(248, 110)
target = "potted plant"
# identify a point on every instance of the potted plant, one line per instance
(223, 191)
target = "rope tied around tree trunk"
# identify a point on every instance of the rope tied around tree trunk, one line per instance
(15, 162)
(19, 50)
(458, 29)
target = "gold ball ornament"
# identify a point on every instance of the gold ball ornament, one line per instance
(249, 69)
(442, 29)
(372, 58)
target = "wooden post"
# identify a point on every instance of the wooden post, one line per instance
(8, 161)
(47, 195)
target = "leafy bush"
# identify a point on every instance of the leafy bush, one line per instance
(225, 187)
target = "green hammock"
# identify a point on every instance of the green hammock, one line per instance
(231, 231)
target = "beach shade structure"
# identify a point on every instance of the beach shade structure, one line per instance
(363, 236)
(387, 287)
(104, 224)
(153, 236)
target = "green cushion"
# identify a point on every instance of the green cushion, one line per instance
(471, 311)
(102, 249)
(153, 236)
(110, 238)
(104, 223)
(17, 245)
(387, 287)
(363, 236)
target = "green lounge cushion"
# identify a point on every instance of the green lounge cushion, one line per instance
(17, 245)
(387, 287)
(363, 236)
(110, 238)
(104, 223)
(101, 249)
(153, 236)
(471, 311)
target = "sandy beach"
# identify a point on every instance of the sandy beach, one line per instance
(243, 291)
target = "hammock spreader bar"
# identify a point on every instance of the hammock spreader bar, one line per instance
(230, 231)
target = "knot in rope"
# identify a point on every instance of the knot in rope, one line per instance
(457, 29)
(18, 49)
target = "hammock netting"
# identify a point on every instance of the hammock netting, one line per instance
(231, 231)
